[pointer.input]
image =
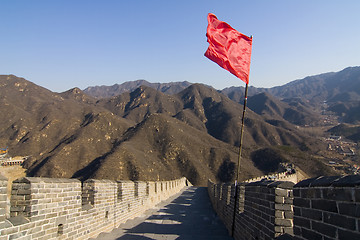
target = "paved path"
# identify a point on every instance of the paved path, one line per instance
(187, 215)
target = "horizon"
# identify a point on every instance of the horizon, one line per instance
(82, 89)
(62, 45)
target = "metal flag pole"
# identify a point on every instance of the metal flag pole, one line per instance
(239, 160)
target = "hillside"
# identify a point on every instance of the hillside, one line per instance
(350, 132)
(292, 111)
(334, 88)
(323, 87)
(142, 135)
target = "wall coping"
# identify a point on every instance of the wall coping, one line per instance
(267, 183)
(46, 180)
(272, 184)
(331, 181)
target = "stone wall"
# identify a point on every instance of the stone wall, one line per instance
(327, 208)
(283, 176)
(48, 208)
(263, 211)
(321, 208)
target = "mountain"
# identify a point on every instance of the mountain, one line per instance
(117, 89)
(348, 131)
(271, 108)
(143, 134)
(140, 103)
(305, 96)
(343, 85)
(349, 112)
(203, 108)
(309, 94)
(38, 123)
(222, 119)
(323, 87)
(157, 148)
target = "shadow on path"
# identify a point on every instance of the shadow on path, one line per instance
(189, 216)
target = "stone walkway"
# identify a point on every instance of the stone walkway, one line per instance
(187, 215)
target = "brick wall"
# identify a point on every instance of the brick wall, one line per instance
(48, 208)
(264, 209)
(283, 176)
(3, 200)
(323, 208)
(327, 208)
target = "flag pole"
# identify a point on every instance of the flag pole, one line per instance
(239, 160)
(236, 60)
(241, 134)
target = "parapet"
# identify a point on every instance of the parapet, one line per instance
(327, 208)
(316, 208)
(263, 209)
(51, 208)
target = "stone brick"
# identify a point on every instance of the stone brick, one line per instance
(324, 229)
(349, 209)
(281, 192)
(289, 214)
(296, 192)
(288, 230)
(309, 234)
(348, 234)
(338, 194)
(297, 230)
(283, 222)
(324, 204)
(283, 207)
(312, 214)
(357, 194)
(297, 211)
(280, 199)
(279, 214)
(302, 202)
(340, 220)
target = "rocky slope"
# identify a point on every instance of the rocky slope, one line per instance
(143, 134)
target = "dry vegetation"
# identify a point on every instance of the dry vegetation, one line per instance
(148, 135)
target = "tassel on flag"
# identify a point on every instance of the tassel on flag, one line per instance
(229, 48)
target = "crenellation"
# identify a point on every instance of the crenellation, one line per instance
(45, 208)
(264, 208)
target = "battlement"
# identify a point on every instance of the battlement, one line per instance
(283, 176)
(317, 208)
(49, 208)
(263, 211)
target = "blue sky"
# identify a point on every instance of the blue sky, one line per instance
(64, 44)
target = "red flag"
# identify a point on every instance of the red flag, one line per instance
(229, 48)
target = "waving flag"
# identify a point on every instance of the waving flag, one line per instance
(229, 48)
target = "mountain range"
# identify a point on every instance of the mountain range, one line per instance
(141, 131)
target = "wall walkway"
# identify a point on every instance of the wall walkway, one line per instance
(187, 216)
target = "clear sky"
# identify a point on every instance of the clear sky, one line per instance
(61, 44)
